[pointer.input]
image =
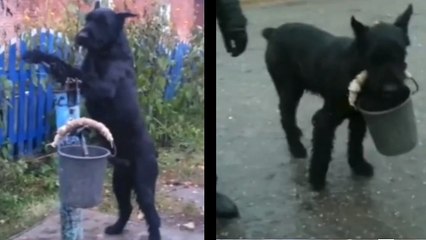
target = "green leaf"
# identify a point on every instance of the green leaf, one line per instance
(164, 63)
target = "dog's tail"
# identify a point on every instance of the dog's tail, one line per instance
(267, 32)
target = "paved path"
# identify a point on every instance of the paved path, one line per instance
(254, 165)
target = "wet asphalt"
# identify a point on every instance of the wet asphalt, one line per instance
(254, 165)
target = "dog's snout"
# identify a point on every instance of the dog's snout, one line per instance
(82, 37)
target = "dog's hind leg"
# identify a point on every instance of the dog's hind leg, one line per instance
(289, 92)
(289, 100)
(147, 172)
(326, 122)
(122, 183)
(357, 130)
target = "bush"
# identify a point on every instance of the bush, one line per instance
(180, 120)
(22, 182)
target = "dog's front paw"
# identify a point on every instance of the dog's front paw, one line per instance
(33, 56)
(317, 181)
(317, 184)
(364, 169)
(154, 235)
(114, 229)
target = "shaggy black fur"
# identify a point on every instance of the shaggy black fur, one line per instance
(301, 57)
(109, 88)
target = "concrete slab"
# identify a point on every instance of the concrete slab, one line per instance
(94, 224)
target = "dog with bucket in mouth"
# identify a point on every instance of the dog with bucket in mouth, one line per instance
(301, 57)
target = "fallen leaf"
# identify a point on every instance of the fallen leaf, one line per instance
(189, 225)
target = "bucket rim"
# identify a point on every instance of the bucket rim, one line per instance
(388, 110)
(61, 153)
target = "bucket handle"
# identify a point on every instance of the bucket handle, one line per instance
(415, 84)
(111, 142)
(112, 146)
(83, 123)
(113, 149)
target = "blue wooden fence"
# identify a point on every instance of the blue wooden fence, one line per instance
(28, 98)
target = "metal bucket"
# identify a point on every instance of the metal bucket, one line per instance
(394, 131)
(81, 178)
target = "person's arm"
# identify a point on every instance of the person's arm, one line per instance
(232, 24)
(229, 15)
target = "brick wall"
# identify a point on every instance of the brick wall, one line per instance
(184, 13)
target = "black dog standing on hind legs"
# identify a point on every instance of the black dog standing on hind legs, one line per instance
(108, 86)
(301, 57)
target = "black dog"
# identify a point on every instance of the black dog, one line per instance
(110, 92)
(301, 57)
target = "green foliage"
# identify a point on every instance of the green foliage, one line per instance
(181, 120)
(22, 182)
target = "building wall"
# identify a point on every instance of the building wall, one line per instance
(184, 13)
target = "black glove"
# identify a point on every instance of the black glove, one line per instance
(235, 41)
(232, 24)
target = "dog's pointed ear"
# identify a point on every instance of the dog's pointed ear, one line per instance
(97, 4)
(124, 15)
(403, 19)
(358, 28)
(121, 17)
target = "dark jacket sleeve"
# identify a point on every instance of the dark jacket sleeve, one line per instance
(229, 15)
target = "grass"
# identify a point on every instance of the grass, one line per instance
(31, 191)
(27, 214)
